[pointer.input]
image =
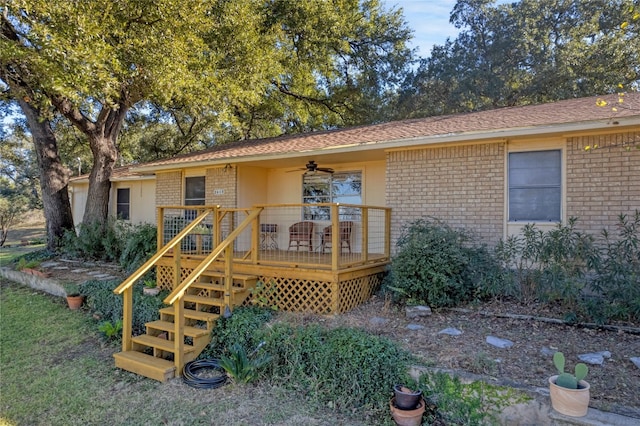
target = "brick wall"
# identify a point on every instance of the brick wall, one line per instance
(462, 185)
(221, 180)
(169, 189)
(602, 183)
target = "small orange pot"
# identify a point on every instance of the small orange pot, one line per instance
(75, 302)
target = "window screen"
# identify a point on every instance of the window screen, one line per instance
(342, 187)
(194, 194)
(123, 203)
(535, 186)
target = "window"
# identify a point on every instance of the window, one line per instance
(535, 183)
(123, 203)
(194, 194)
(342, 187)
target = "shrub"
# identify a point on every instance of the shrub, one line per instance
(548, 266)
(140, 245)
(440, 266)
(98, 241)
(108, 306)
(345, 367)
(617, 273)
(240, 328)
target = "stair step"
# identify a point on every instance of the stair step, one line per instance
(170, 327)
(191, 314)
(203, 300)
(145, 365)
(215, 287)
(236, 277)
(158, 343)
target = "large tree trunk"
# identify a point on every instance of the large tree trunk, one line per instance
(54, 176)
(105, 155)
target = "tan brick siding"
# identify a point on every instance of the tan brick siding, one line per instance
(462, 185)
(221, 180)
(169, 189)
(602, 183)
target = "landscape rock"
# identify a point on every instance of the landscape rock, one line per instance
(415, 327)
(498, 342)
(378, 321)
(547, 351)
(417, 311)
(636, 361)
(450, 331)
(595, 358)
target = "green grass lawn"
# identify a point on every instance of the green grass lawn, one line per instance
(56, 370)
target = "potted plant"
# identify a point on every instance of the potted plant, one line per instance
(150, 288)
(74, 296)
(569, 392)
(407, 406)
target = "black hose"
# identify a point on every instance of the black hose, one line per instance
(190, 378)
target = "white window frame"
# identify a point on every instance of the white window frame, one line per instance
(323, 213)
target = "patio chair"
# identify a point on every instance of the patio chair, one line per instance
(301, 233)
(345, 236)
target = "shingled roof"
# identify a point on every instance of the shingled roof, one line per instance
(561, 116)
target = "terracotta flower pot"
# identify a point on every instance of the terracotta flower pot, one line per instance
(75, 302)
(407, 417)
(570, 402)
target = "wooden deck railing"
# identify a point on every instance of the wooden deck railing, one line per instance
(269, 241)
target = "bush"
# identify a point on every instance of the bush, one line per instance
(345, 367)
(140, 245)
(440, 266)
(108, 306)
(617, 273)
(97, 241)
(547, 266)
(240, 328)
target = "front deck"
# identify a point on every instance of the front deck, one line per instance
(294, 273)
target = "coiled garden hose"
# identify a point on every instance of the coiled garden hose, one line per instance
(192, 379)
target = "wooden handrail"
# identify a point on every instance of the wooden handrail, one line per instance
(161, 252)
(178, 292)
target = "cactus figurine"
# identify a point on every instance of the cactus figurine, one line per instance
(567, 380)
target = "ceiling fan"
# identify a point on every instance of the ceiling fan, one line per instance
(312, 167)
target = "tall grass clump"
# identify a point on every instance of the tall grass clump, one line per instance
(440, 266)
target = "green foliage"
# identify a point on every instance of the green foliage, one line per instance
(617, 272)
(440, 266)
(476, 403)
(111, 331)
(346, 368)
(96, 240)
(471, 72)
(547, 266)
(23, 263)
(240, 367)
(108, 306)
(72, 289)
(11, 209)
(141, 243)
(567, 380)
(240, 328)
(262, 294)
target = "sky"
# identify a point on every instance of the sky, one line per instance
(429, 20)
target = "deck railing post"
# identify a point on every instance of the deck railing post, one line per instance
(336, 244)
(177, 273)
(228, 278)
(178, 318)
(365, 234)
(387, 233)
(127, 318)
(255, 240)
(160, 236)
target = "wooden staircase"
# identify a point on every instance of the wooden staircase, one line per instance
(153, 354)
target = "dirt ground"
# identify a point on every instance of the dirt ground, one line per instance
(615, 385)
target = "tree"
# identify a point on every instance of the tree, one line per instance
(526, 52)
(238, 63)
(11, 208)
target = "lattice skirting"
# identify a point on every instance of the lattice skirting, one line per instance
(300, 295)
